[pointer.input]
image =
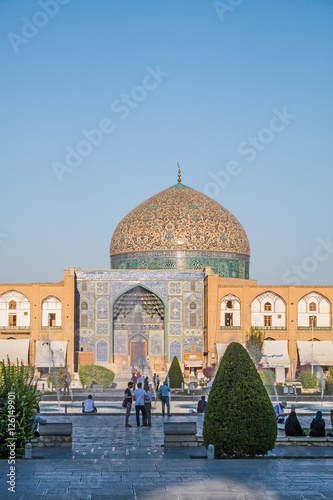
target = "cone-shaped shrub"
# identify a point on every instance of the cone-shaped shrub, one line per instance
(239, 418)
(175, 374)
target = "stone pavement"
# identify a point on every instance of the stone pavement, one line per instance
(110, 461)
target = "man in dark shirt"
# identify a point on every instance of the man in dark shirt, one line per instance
(202, 405)
(128, 397)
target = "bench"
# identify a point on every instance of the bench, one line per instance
(180, 434)
(55, 435)
(304, 441)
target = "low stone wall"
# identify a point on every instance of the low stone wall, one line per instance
(55, 435)
(180, 434)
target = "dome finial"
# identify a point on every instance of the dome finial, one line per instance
(179, 174)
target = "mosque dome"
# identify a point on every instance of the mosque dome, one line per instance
(181, 228)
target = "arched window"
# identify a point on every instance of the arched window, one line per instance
(51, 312)
(84, 306)
(273, 304)
(309, 304)
(230, 312)
(12, 304)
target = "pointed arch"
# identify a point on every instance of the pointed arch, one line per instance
(51, 312)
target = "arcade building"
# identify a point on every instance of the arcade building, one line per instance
(178, 285)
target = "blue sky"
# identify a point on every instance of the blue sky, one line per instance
(221, 79)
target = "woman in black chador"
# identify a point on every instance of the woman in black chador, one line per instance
(292, 425)
(317, 425)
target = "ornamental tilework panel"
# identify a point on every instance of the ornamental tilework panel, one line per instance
(87, 340)
(156, 344)
(189, 302)
(175, 310)
(88, 297)
(193, 332)
(175, 329)
(175, 349)
(193, 344)
(139, 276)
(175, 288)
(102, 288)
(102, 329)
(102, 350)
(120, 343)
(102, 306)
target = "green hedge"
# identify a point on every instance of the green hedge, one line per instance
(175, 374)
(95, 374)
(307, 379)
(18, 404)
(239, 418)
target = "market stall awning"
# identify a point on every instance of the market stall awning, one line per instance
(193, 364)
(221, 348)
(275, 353)
(51, 354)
(321, 355)
(15, 350)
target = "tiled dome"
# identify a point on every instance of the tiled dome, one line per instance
(177, 222)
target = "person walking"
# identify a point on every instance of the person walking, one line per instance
(128, 398)
(148, 405)
(154, 380)
(67, 384)
(165, 389)
(146, 381)
(157, 382)
(133, 370)
(134, 380)
(139, 396)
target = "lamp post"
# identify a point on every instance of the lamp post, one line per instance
(312, 318)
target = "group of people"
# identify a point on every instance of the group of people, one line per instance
(142, 398)
(292, 425)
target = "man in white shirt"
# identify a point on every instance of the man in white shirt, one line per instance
(279, 411)
(148, 405)
(139, 396)
(88, 406)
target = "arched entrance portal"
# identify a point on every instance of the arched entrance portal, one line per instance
(138, 328)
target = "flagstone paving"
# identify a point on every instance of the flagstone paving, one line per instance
(110, 461)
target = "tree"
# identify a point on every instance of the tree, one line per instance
(209, 371)
(239, 418)
(254, 344)
(175, 374)
(18, 405)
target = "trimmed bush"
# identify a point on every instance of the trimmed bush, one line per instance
(95, 374)
(307, 379)
(175, 374)
(239, 418)
(18, 405)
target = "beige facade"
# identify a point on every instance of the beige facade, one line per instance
(39, 312)
(297, 323)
